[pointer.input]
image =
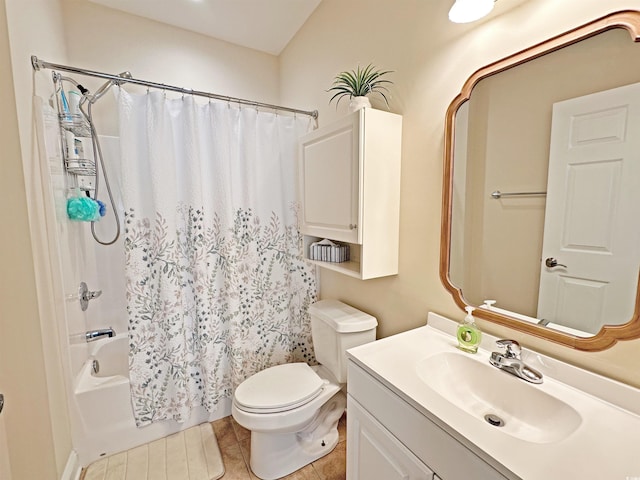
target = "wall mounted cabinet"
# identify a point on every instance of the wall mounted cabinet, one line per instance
(349, 190)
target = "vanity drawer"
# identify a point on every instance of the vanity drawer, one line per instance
(445, 455)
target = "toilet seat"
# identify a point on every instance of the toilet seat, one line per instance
(278, 389)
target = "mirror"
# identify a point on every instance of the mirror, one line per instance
(539, 191)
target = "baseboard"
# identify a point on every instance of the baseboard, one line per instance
(72, 469)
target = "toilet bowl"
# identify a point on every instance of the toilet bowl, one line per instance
(292, 410)
(293, 431)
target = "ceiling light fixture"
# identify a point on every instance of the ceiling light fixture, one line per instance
(465, 11)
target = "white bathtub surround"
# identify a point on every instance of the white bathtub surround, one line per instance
(191, 454)
(217, 288)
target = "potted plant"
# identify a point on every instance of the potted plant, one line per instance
(359, 83)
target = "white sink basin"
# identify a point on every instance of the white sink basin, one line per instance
(483, 390)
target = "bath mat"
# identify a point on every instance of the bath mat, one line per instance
(192, 454)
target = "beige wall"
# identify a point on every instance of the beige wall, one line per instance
(36, 428)
(432, 58)
(107, 40)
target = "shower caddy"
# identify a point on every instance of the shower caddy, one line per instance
(80, 166)
(82, 154)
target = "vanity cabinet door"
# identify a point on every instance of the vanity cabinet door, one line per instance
(375, 454)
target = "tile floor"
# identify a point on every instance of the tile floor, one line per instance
(234, 442)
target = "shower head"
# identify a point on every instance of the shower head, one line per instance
(107, 85)
(102, 90)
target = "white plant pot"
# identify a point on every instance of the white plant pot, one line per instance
(357, 103)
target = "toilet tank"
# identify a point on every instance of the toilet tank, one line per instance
(335, 328)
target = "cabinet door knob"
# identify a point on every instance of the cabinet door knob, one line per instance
(352, 226)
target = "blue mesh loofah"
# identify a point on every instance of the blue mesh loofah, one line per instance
(102, 208)
(83, 209)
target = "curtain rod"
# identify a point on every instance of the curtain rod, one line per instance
(38, 64)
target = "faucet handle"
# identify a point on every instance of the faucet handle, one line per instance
(84, 295)
(512, 348)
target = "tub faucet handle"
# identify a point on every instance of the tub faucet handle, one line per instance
(92, 295)
(84, 294)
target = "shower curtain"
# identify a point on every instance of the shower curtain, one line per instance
(217, 288)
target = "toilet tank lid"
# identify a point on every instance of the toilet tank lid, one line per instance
(342, 317)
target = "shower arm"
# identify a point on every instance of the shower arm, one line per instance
(38, 64)
(104, 88)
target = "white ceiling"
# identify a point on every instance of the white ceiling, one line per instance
(265, 25)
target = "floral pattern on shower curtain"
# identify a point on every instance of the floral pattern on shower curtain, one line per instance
(217, 288)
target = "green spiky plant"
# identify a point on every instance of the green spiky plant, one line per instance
(359, 83)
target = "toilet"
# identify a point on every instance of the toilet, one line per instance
(292, 410)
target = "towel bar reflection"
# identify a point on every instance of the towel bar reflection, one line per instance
(498, 194)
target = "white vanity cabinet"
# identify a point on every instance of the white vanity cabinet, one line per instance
(388, 438)
(349, 190)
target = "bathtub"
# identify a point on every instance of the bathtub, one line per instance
(104, 416)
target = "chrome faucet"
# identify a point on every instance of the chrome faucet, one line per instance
(510, 362)
(93, 335)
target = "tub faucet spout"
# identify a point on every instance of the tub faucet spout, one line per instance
(93, 335)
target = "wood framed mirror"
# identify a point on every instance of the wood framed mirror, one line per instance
(541, 168)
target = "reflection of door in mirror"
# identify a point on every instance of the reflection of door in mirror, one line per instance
(590, 224)
(496, 244)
